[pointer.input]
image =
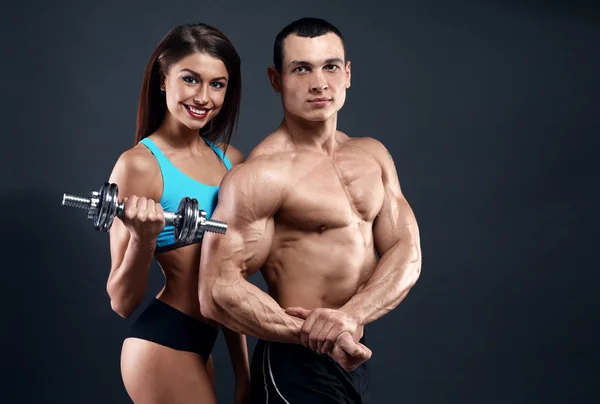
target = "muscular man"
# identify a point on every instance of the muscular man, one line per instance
(313, 209)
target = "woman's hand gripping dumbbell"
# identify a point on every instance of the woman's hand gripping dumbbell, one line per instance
(189, 221)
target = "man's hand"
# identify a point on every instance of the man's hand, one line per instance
(348, 353)
(334, 333)
(322, 327)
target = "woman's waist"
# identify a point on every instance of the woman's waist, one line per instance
(184, 300)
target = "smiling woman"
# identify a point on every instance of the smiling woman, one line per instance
(188, 109)
(185, 99)
(188, 58)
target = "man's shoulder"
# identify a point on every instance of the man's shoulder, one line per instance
(272, 153)
(262, 164)
(370, 145)
(273, 147)
(380, 154)
(268, 168)
(260, 167)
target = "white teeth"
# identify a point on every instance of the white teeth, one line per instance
(197, 111)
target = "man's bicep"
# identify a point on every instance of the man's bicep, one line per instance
(248, 211)
(396, 220)
(247, 242)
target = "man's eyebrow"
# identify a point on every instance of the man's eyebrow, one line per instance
(326, 62)
(334, 60)
(300, 62)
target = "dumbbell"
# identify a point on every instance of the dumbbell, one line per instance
(102, 206)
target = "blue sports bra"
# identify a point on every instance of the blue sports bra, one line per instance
(177, 185)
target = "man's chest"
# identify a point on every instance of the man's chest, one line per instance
(333, 193)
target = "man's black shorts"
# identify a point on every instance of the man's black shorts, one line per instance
(295, 374)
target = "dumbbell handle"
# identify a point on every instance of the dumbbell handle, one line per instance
(171, 218)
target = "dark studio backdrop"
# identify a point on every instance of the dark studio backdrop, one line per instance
(489, 108)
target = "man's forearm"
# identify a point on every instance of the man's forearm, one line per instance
(246, 309)
(396, 273)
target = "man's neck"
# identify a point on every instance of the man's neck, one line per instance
(319, 135)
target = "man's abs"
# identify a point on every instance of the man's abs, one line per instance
(319, 269)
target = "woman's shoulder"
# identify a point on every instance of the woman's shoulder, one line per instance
(233, 154)
(136, 171)
(137, 160)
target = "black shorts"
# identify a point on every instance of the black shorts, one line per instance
(165, 325)
(295, 374)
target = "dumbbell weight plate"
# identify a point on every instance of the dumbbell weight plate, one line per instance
(108, 207)
(188, 213)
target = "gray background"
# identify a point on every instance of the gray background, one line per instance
(489, 108)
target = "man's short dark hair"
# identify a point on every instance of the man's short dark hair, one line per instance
(305, 27)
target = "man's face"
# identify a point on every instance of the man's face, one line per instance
(314, 76)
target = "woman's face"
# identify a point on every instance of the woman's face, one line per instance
(195, 89)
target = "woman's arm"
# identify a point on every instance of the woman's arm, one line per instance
(132, 246)
(238, 353)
